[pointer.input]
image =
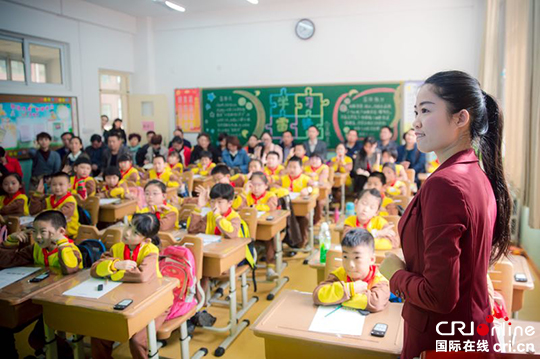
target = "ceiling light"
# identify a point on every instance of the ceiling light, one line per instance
(175, 6)
(254, 2)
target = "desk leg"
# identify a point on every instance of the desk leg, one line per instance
(311, 244)
(51, 349)
(280, 282)
(342, 199)
(78, 342)
(152, 340)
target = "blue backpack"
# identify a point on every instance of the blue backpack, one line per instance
(91, 250)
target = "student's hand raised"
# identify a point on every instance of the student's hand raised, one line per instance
(40, 187)
(125, 265)
(249, 187)
(360, 287)
(202, 192)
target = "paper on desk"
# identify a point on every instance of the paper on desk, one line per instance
(88, 288)
(260, 214)
(197, 176)
(209, 238)
(342, 321)
(294, 195)
(104, 201)
(11, 275)
(26, 220)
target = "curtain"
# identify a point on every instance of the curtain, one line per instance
(490, 63)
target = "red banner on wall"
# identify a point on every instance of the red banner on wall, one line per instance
(188, 109)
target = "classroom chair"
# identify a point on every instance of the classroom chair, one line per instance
(186, 210)
(195, 245)
(402, 201)
(79, 199)
(167, 239)
(91, 204)
(394, 220)
(411, 174)
(13, 224)
(111, 236)
(87, 232)
(187, 179)
(333, 262)
(250, 215)
(326, 193)
(502, 277)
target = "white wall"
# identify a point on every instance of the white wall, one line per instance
(354, 41)
(97, 38)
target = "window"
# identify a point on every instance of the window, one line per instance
(11, 60)
(45, 64)
(113, 90)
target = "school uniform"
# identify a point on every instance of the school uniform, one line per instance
(239, 180)
(83, 186)
(66, 204)
(131, 175)
(338, 288)
(394, 188)
(305, 159)
(203, 171)
(273, 174)
(167, 177)
(374, 224)
(120, 191)
(177, 168)
(16, 205)
(146, 255)
(339, 167)
(168, 218)
(316, 173)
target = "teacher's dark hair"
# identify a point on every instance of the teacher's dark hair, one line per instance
(461, 91)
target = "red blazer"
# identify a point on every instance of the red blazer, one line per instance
(446, 235)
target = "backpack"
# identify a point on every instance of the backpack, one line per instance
(179, 262)
(84, 216)
(91, 250)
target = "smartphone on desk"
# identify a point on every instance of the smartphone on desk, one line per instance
(379, 330)
(123, 304)
(39, 278)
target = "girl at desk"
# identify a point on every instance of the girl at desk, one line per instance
(133, 260)
(155, 193)
(114, 187)
(14, 202)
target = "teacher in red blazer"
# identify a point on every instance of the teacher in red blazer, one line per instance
(459, 221)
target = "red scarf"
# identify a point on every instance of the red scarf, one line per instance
(128, 255)
(272, 171)
(8, 199)
(55, 204)
(292, 180)
(46, 253)
(363, 226)
(77, 180)
(216, 230)
(124, 173)
(315, 169)
(369, 277)
(158, 214)
(256, 199)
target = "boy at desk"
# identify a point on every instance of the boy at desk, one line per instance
(127, 171)
(82, 184)
(115, 187)
(377, 180)
(61, 200)
(52, 249)
(205, 166)
(358, 283)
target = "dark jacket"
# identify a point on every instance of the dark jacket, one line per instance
(241, 160)
(196, 153)
(414, 156)
(107, 156)
(40, 166)
(320, 148)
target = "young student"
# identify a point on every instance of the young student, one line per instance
(61, 200)
(134, 143)
(222, 174)
(358, 283)
(393, 186)
(127, 171)
(256, 195)
(342, 163)
(377, 180)
(134, 260)
(255, 165)
(162, 172)
(14, 202)
(174, 161)
(205, 166)
(155, 193)
(319, 173)
(368, 204)
(273, 168)
(50, 248)
(180, 146)
(81, 183)
(115, 186)
(390, 156)
(300, 152)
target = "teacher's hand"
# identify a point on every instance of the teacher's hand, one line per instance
(390, 265)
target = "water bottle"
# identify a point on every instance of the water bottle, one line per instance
(324, 241)
(349, 209)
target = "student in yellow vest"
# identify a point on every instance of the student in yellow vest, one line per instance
(319, 172)
(393, 186)
(61, 200)
(14, 202)
(255, 165)
(222, 174)
(342, 163)
(82, 184)
(433, 165)
(367, 205)
(256, 195)
(357, 283)
(129, 174)
(390, 156)
(162, 172)
(273, 169)
(155, 193)
(51, 249)
(134, 260)
(174, 161)
(377, 180)
(300, 152)
(114, 187)
(205, 165)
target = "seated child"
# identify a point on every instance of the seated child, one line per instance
(256, 195)
(367, 205)
(61, 200)
(14, 202)
(377, 180)
(393, 186)
(82, 184)
(205, 165)
(299, 151)
(155, 193)
(174, 161)
(134, 260)
(51, 249)
(273, 168)
(114, 187)
(342, 163)
(319, 173)
(358, 283)
(255, 165)
(162, 172)
(390, 156)
(127, 171)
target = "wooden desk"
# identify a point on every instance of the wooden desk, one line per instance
(268, 230)
(315, 262)
(305, 206)
(16, 307)
(97, 318)
(172, 193)
(520, 266)
(221, 256)
(284, 326)
(205, 181)
(340, 179)
(111, 213)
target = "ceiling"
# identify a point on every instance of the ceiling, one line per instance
(142, 8)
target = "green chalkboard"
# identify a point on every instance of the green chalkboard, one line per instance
(334, 109)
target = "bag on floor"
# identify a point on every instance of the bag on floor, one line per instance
(179, 263)
(293, 236)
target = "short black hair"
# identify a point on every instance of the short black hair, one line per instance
(177, 139)
(105, 116)
(95, 138)
(82, 160)
(175, 154)
(134, 135)
(387, 127)
(125, 157)
(66, 133)
(288, 131)
(222, 136)
(112, 171)
(221, 169)
(55, 218)
(156, 182)
(206, 154)
(358, 237)
(222, 191)
(372, 192)
(115, 133)
(159, 156)
(380, 176)
(2, 151)
(301, 144)
(12, 174)
(392, 152)
(295, 159)
(61, 175)
(43, 135)
(406, 132)
(369, 140)
(203, 134)
(316, 154)
(315, 127)
(261, 175)
(255, 160)
(148, 225)
(150, 132)
(272, 153)
(390, 165)
(76, 138)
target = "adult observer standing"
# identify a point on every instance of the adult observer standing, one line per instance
(458, 223)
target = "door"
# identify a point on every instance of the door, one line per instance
(149, 113)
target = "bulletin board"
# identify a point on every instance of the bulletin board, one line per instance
(23, 117)
(188, 109)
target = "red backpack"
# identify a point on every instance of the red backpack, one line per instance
(179, 262)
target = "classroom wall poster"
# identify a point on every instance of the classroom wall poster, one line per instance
(188, 109)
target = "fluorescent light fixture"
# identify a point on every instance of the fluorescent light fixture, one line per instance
(175, 6)
(254, 2)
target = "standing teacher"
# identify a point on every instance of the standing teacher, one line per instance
(458, 222)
